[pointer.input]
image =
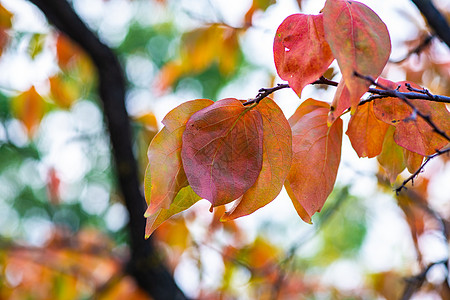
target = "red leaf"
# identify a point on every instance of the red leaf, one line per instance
(366, 132)
(413, 132)
(222, 150)
(277, 158)
(165, 175)
(316, 158)
(300, 51)
(360, 42)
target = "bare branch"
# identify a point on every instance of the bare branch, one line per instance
(416, 173)
(402, 97)
(413, 284)
(376, 93)
(435, 19)
(264, 92)
(416, 50)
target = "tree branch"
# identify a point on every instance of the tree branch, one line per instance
(145, 265)
(416, 50)
(379, 93)
(413, 284)
(435, 19)
(416, 173)
(402, 97)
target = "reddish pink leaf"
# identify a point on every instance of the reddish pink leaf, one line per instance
(412, 132)
(366, 132)
(359, 40)
(165, 175)
(300, 51)
(277, 158)
(316, 157)
(222, 150)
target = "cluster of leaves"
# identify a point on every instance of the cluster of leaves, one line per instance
(232, 150)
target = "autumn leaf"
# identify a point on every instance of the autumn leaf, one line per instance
(67, 52)
(366, 132)
(184, 199)
(64, 91)
(300, 50)
(391, 157)
(222, 150)
(165, 175)
(411, 131)
(29, 107)
(202, 47)
(277, 158)
(360, 42)
(316, 157)
(413, 160)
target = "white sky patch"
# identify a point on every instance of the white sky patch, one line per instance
(116, 217)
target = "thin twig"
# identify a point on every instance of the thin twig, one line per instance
(416, 173)
(416, 50)
(376, 93)
(264, 92)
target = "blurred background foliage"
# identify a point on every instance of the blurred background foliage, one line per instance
(62, 221)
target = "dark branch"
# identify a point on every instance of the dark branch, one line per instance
(145, 264)
(413, 284)
(264, 92)
(376, 93)
(435, 19)
(416, 50)
(402, 97)
(417, 172)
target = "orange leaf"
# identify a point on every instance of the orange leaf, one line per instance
(300, 50)
(66, 51)
(5, 18)
(29, 107)
(316, 157)
(222, 150)
(205, 45)
(366, 132)
(413, 160)
(64, 91)
(412, 132)
(391, 157)
(277, 158)
(360, 42)
(165, 175)
(341, 102)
